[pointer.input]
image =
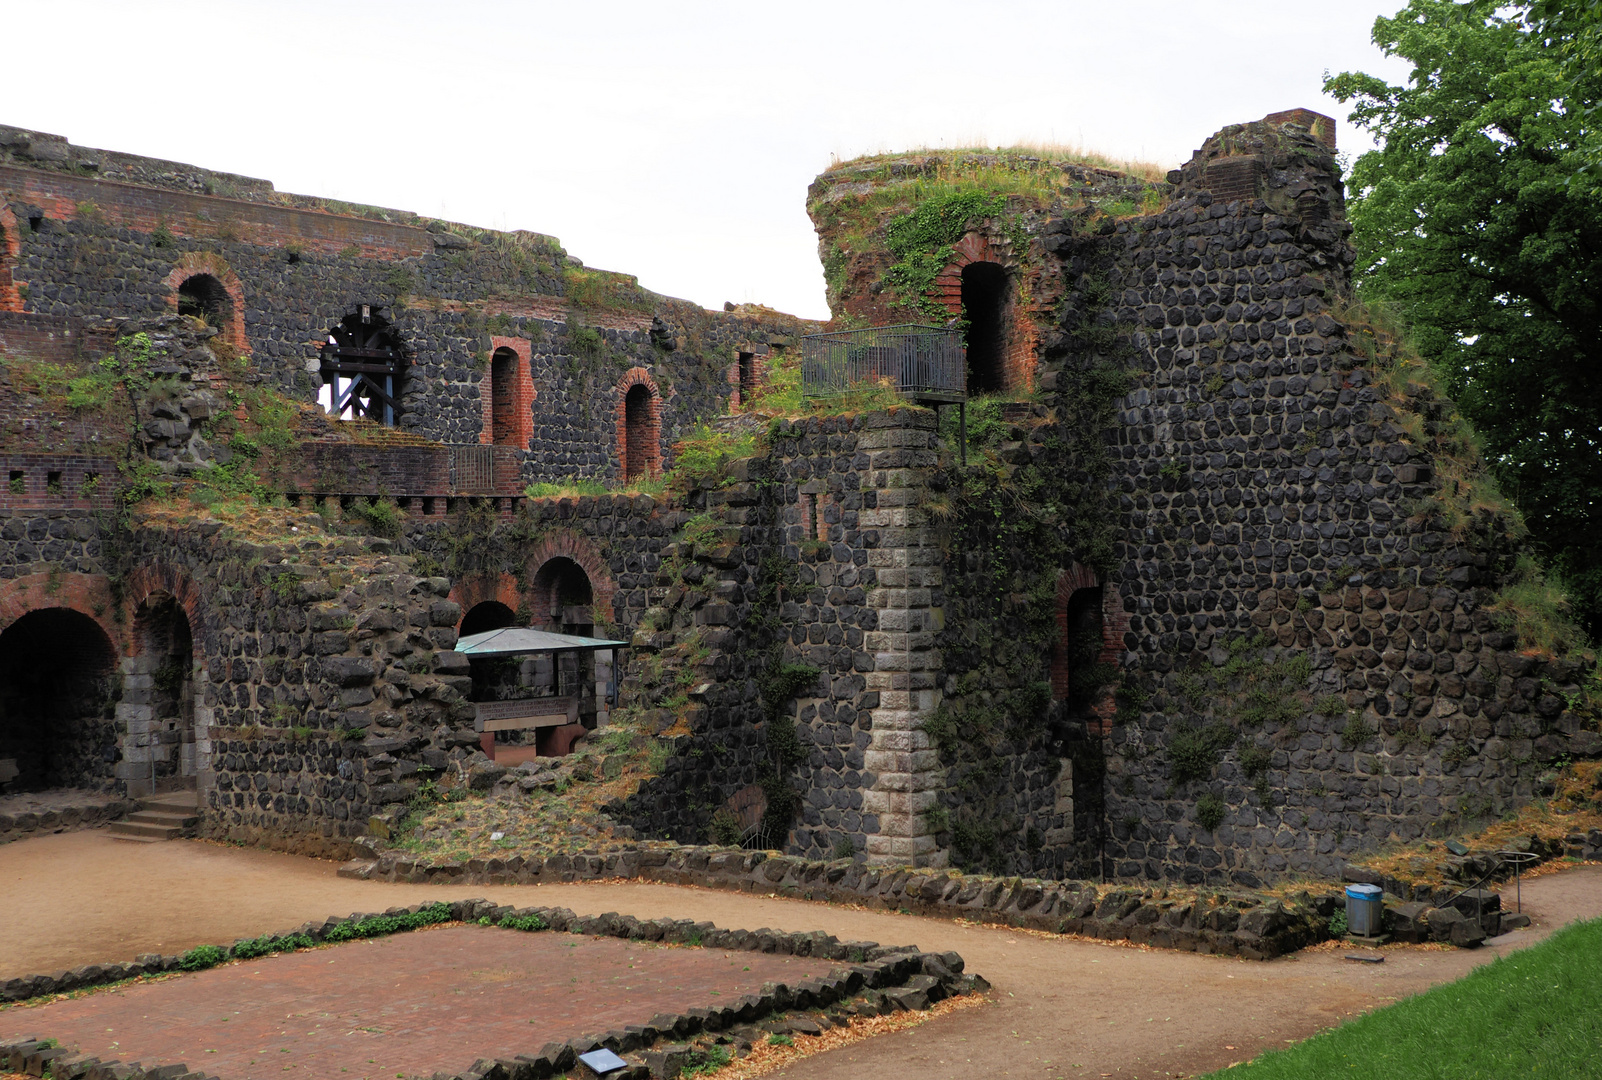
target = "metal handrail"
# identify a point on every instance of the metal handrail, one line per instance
(924, 363)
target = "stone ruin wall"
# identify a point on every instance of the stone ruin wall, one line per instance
(1261, 486)
(88, 235)
(1291, 474)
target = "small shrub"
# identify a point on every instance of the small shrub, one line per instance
(1210, 811)
(378, 925)
(1254, 761)
(845, 848)
(382, 517)
(1194, 751)
(526, 923)
(1337, 924)
(781, 1040)
(724, 828)
(710, 1060)
(201, 957)
(262, 946)
(1329, 705)
(1356, 732)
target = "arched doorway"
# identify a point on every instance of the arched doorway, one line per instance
(57, 687)
(203, 297)
(639, 426)
(363, 368)
(503, 397)
(489, 615)
(563, 597)
(159, 699)
(984, 301)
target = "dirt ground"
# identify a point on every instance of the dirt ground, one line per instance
(1060, 1007)
(406, 1004)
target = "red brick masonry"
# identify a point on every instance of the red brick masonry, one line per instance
(434, 1000)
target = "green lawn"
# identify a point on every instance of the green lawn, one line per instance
(1536, 1013)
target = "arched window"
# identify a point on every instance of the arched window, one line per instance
(203, 297)
(56, 669)
(363, 368)
(489, 615)
(984, 301)
(503, 397)
(639, 425)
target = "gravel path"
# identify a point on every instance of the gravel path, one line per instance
(1061, 1007)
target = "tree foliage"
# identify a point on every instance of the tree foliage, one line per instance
(1470, 220)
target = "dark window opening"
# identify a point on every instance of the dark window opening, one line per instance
(53, 482)
(18, 482)
(984, 296)
(36, 222)
(637, 433)
(1082, 645)
(204, 299)
(503, 397)
(490, 615)
(56, 694)
(563, 597)
(363, 369)
(747, 377)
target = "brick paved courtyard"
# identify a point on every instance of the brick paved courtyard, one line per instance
(407, 1004)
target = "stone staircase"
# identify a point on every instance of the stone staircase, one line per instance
(160, 817)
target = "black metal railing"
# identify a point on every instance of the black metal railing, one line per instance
(924, 363)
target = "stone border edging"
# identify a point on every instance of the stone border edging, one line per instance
(904, 977)
(1253, 927)
(26, 824)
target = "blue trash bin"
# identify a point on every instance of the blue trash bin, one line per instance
(1363, 909)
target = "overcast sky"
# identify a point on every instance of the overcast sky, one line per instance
(670, 140)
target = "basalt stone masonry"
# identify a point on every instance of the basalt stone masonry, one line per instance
(88, 234)
(1201, 603)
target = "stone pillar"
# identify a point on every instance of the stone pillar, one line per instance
(908, 573)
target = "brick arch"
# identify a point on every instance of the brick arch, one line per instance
(476, 589)
(196, 263)
(10, 252)
(1018, 360)
(1114, 622)
(160, 577)
(652, 427)
(566, 544)
(87, 594)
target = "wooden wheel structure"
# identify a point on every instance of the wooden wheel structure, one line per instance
(362, 367)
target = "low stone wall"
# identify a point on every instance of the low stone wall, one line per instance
(1227, 923)
(22, 816)
(872, 978)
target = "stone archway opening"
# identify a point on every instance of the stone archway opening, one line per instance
(1080, 674)
(639, 427)
(485, 616)
(984, 303)
(158, 700)
(57, 686)
(503, 397)
(563, 597)
(203, 298)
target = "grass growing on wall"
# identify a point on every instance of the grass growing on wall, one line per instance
(1529, 1014)
(1467, 501)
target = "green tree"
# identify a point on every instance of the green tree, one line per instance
(1469, 223)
